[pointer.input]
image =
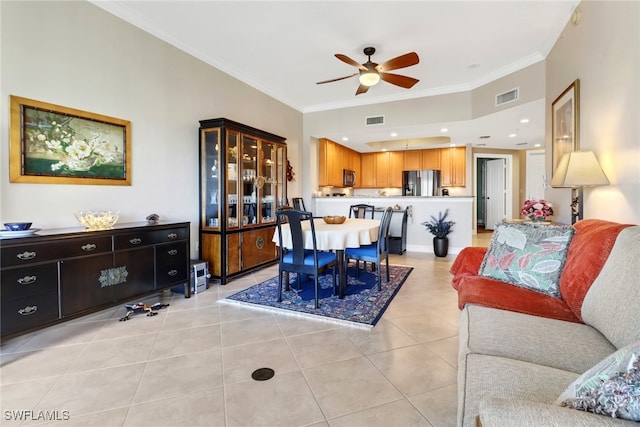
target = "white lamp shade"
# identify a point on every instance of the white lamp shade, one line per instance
(579, 169)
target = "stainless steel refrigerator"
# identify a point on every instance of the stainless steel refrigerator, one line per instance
(421, 183)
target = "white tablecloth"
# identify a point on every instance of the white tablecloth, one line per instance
(352, 233)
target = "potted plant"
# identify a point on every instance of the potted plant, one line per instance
(440, 228)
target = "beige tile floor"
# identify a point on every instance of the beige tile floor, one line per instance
(192, 363)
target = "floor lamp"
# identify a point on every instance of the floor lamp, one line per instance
(577, 170)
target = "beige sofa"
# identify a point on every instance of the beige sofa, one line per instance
(512, 367)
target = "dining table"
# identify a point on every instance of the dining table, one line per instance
(352, 233)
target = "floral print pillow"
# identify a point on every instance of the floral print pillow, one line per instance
(612, 387)
(531, 256)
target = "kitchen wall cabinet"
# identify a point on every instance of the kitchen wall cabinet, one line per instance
(412, 160)
(368, 170)
(431, 158)
(396, 163)
(242, 184)
(332, 159)
(453, 164)
(61, 274)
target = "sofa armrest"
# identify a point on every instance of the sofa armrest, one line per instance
(467, 263)
(496, 412)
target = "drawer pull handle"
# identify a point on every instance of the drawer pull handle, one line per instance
(172, 252)
(172, 272)
(135, 241)
(27, 280)
(28, 310)
(26, 255)
(172, 236)
(89, 247)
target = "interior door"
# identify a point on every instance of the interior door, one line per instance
(535, 175)
(495, 181)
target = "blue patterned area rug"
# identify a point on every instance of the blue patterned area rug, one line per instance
(363, 304)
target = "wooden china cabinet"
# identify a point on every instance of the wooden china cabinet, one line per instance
(242, 183)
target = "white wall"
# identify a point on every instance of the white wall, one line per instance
(602, 51)
(76, 55)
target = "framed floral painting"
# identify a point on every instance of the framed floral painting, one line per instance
(565, 123)
(51, 144)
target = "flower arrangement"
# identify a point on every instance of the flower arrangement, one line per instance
(438, 226)
(537, 210)
(59, 139)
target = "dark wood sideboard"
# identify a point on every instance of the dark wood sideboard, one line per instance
(59, 274)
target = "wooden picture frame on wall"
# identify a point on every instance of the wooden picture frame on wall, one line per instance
(52, 144)
(565, 123)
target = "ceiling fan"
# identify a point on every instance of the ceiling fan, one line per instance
(371, 73)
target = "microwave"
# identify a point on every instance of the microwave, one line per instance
(348, 178)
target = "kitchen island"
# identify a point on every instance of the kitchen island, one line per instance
(419, 209)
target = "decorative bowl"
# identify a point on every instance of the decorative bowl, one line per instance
(97, 220)
(17, 226)
(334, 219)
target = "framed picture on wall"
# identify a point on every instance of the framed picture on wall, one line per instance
(565, 123)
(51, 144)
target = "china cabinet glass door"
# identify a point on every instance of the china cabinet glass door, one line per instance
(281, 176)
(249, 180)
(267, 182)
(211, 178)
(232, 179)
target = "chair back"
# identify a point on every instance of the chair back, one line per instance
(298, 204)
(361, 211)
(294, 218)
(383, 232)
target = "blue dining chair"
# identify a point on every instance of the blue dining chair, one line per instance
(361, 211)
(374, 252)
(297, 259)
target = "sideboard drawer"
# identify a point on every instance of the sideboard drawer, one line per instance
(31, 280)
(28, 312)
(170, 264)
(145, 238)
(38, 252)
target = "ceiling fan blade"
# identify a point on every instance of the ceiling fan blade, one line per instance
(362, 89)
(335, 80)
(349, 61)
(402, 61)
(398, 80)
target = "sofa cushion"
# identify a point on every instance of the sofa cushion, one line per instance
(491, 376)
(528, 255)
(610, 387)
(532, 339)
(589, 250)
(611, 305)
(467, 263)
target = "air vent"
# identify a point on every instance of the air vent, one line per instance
(375, 120)
(504, 98)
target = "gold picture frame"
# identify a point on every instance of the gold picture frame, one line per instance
(565, 123)
(52, 144)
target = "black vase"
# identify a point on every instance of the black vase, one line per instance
(441, 246)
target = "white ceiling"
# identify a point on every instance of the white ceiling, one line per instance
(283, 47)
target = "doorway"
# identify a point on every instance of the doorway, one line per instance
(493, 189)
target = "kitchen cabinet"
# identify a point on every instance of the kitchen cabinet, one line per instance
(412, 160)
(396, 163)
(242, 184)
(430, 158)
(382, 169)
(332, 159)
(388, 169)
(453, 164)
(61, 274)
(368, 170)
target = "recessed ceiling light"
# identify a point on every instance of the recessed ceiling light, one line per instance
(384, 149)
(443, 130)
(524, 121)
(394, 134)
(512, 135)
(452, 145)
(344, 138)
(537, 145)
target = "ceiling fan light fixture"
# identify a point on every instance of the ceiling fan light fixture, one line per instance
(369, 78)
